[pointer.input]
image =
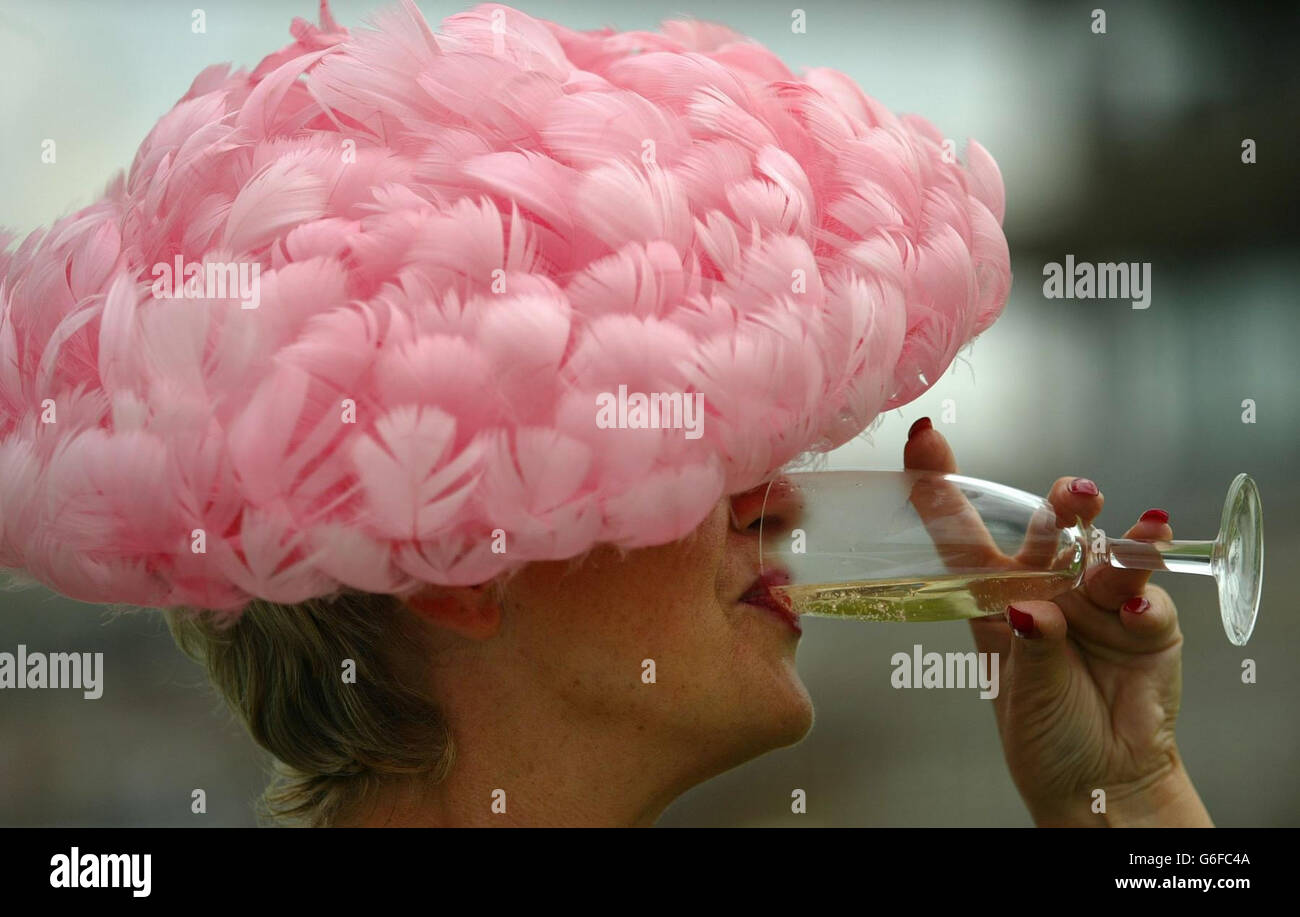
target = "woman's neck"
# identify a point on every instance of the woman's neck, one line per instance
(520, 763)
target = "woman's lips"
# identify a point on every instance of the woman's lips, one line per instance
(760, 595)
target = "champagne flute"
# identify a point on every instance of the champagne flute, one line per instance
(929, 546)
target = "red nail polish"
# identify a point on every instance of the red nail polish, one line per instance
(919, 426)
(1136, 605)
(1083, 486)
(1155, 515)
(1021, 622)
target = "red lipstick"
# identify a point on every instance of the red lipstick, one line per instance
(760, 595)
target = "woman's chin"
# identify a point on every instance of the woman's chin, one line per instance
(786, 714)
(799, 717)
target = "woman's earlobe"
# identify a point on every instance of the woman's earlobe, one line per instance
(471, 611)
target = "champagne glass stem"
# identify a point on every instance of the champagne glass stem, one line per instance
(1174, 556)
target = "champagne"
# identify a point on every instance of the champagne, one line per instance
(936, 598)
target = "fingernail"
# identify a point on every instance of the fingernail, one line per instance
(919, 426)
(1155, 515)
(1083, 486)
(1136, 605)
(1021, 622)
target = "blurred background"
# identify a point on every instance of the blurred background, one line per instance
(1125, 146)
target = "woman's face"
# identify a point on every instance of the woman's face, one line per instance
(724, 687)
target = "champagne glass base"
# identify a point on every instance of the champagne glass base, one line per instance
(1238, 563)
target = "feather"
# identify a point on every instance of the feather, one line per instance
(621, 203)
(644, 280)
(284, 194)
(262, 433)
(410, 491)
(590, 129)
(117, 351)
(357, 560)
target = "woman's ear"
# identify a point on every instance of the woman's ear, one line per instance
(471, 611)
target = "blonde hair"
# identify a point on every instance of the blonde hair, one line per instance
(335, 743)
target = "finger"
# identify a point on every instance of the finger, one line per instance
(1042, 540)
(1075, 498)
(1038, 659)
(1150, 616)
(1070, 499)
(927, 450)
(953, 525)
(1143, 623)
(1109, 587)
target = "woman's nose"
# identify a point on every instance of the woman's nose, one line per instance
(777, 505)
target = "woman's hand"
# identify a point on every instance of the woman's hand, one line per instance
(1090, 682)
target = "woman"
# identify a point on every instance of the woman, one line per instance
(373, 490)
(534, 688)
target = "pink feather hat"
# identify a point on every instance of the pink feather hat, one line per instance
(351, 320)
